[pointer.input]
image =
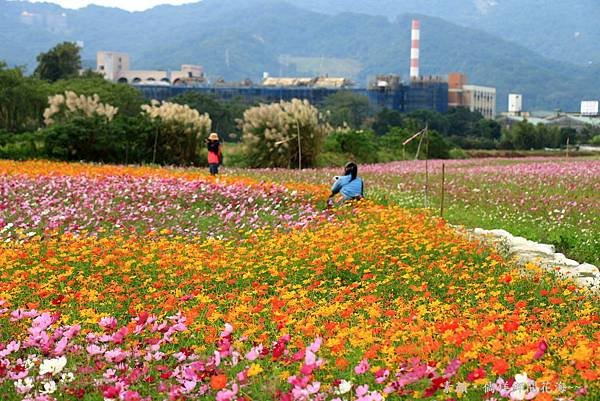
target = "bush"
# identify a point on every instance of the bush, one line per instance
(24, 146)
(271, 134)
(83, 138)
(471, 142)
(458, 153)
(179, 132)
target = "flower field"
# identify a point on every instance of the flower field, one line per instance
(123, 283)
(547, 200)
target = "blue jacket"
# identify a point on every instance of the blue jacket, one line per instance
(349, 189)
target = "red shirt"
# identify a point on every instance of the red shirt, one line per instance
(215, 158)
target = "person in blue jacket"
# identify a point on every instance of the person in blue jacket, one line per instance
(350, 185)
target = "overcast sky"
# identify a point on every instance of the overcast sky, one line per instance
(131, 5)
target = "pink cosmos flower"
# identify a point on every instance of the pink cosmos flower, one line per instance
(381, 375)
(314, 347)
(542, 346)
(108, 323)
(254, 353)
(362, 390)
(362, 367)
(227, 395)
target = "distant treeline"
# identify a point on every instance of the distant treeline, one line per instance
(344, 126)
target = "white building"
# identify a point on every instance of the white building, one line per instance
(515, 103)
(114, 66)
(481, 99)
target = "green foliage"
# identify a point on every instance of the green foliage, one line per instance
(595, 140)
(526, 136)
(587, 134)
(347, 109)
(387, 119)
(359, 145)
(125, 97)
(124, 140)
(60, 62)
(457, 153)
(331, 159)
(460, 121)
(82, 138)
(433, 146)
(22, 146)
(472, 142)
(22, 100)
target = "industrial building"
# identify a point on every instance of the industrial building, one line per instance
(589, 115)
(474, 97)
(114, 66)
(429, 93)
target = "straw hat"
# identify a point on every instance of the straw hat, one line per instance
(213, 137)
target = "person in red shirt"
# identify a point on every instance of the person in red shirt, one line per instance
(215, 153)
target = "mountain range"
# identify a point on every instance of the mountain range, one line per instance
(239, 39)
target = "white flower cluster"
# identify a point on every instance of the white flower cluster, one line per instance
(179, 114)
(278, 122)
(70, 103)
(273, 131)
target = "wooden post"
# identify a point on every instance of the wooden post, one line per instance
(299, 146)
(155, 145)
(443, 190)
(426, 167)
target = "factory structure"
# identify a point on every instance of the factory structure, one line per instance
(588, 115)
(438, 93)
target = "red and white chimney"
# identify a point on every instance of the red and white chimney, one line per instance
(414, 49)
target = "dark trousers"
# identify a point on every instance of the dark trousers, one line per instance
(213, 168)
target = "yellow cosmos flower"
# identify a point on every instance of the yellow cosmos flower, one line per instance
(254, 370)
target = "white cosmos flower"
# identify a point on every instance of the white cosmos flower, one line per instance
(67, 377)
(344, 387)
(49, 387)
(53, 366)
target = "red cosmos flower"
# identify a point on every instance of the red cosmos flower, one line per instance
(76, 392)
(436, 384)
(476, 374)
(111, 391)
(58, 300)
(278, 349)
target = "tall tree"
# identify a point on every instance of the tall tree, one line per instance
(22, 100)
(62, 61)
(347, 108)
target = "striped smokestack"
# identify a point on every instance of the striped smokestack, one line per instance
(414, 49)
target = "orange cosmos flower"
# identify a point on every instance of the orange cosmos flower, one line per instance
(218, 382)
